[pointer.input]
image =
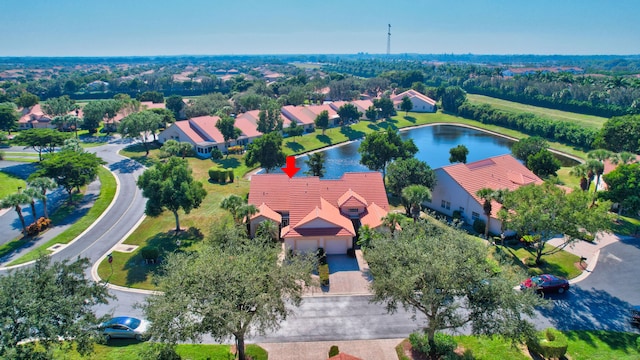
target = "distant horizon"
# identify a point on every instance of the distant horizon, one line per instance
(123, 28)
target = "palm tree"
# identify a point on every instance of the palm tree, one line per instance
(33, 194)
(581, 171)
(43, 184)
(487, 194)
(232, 204)
(365, 235)
(269, 229)
(623, 158)
(601, 155)
(415, 195)
(391, 220)
(315, 162)
(16, 201)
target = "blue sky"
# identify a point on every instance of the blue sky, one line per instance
(200, 27)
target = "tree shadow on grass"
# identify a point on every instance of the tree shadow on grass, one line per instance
(410, 119)
(294, 146)
(351, 134)
(373, 127)
(228, 163)
(138, 270)
(324, 139)
(389, 124)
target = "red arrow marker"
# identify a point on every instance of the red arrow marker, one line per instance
(291, 168)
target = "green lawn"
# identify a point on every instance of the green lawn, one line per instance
(107, 192)
(10, 184)
(591, 121)
(562, 263)
(131, 349)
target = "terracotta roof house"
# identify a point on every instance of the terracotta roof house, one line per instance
(148, 105)
(343, 356)
(300, 116)
(314, 213)
(457, 185)
(421, 103)
(202, 132)
(361, 105)
(34, 118)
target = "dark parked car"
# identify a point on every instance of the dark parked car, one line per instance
(635, 316)
(546, 283)
(124, 327)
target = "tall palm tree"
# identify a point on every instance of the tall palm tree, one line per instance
(315, 162)
(43, 184)
(601, 155)
(415, 195)
(365, 235)
(594, 169)
(269, 229)
(16, 201)
(581, 171)
(33, 194)
(232, 204)
(487, 194)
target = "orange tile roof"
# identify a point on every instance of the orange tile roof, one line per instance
(413, 93)
(499, 172)
(351, 198)
(33, 114)
(300, 196)
(247, 127)
(264, 210)
(298, 114)
(201, 129)
(362, 105)
(343, 356)
(151, 105)
(373, 216)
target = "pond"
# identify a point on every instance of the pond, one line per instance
(433, 142)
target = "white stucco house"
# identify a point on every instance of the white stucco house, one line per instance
(421, 103)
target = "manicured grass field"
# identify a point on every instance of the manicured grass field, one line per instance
(107, 192)
(561, 263)
(131, 349)
(10, 184)
(591, 121)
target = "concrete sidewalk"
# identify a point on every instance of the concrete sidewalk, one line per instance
(383, 349)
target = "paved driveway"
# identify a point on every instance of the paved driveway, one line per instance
(602, 300)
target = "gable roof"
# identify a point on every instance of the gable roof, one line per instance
(498, 172)
(351, 198)
(413, 94)
(298, 114)
(264, 210)
(308, 198)
(201, 129)
(33, 114)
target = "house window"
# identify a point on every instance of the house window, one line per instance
(445, 205)
(353, 210)
(461, 209)
(475, 215)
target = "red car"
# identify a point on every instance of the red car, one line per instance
(546, 283)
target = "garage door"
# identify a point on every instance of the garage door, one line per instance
(336, 246)
(306, 245)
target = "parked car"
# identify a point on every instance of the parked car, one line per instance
(125, 327)
(546, 283)
(635, 315)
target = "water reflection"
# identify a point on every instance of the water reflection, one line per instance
(433, 144)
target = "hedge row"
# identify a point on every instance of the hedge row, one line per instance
(221, 175)
(560, 131)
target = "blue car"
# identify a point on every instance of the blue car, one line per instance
(125, 327)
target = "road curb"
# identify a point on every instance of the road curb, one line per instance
(590, 267)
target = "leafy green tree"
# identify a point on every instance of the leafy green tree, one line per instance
(621, 133)
(8, 117)
(67, 122)
(322, 120)
(58, 106)
(248, 290)
(458, 154)
(170, 185)
(41, 140)
(420, 270)
(581, 171)
(207, 105)
(26, 100)
(16, 201)
(269, 118)
(72, 144)
(100, 110)
(268, 229)
(152, 96)
(70, 169)
(167, 116)
(176, 105)
(371, 113)
(348, 112)
(415, 195)
(227, 128)
(406, 105)
(49, 302)
(385, 106)
(526, 147)
(294, 129)
(487, 195)
(139, 125)
(623, 187)
(404, 172)
(379, 148)
(266, 151)
(544, 211)
(543, 164)
(452, 98)
(43, 184)
(315, 162)
(178, 148)
(392, 220)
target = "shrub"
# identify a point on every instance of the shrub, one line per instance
(549, 343)
(231, 175)
(420, 343)
(150, 253)
(1, 155)
(323, 272)
(478, 226)
(222, 176)
(159, 351)
(333, 351)
(457, 215)
(237, 149)
(444, 344)
(322, 256)
(351, 252)
(638, 343)
(213, 174)
(39, 225)
(216, 154)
